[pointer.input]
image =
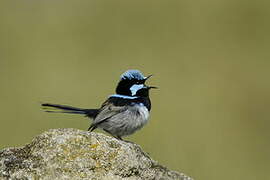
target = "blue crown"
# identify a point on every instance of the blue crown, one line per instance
(132, 74)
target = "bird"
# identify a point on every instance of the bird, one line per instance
(123, 113)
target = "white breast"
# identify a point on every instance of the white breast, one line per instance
(143, 112)
(127, 122)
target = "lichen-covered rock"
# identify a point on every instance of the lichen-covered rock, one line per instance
(76, 154)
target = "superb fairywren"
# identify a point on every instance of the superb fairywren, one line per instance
(122, 113)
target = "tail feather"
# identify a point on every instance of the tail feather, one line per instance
(57, 108)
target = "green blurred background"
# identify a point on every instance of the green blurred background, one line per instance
(210, 59)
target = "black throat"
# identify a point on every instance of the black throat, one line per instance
(123, 88)
(117, 101)
(124, 85)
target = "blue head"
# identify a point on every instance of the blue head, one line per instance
(132, 83)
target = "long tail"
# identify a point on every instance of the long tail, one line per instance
(57, 108)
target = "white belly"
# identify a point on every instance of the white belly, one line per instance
(143, 112)
(127, 122)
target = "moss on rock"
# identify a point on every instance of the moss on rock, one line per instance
(76, 154)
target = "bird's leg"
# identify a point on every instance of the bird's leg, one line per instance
(92, 127)
(119, 137)
(115, 136)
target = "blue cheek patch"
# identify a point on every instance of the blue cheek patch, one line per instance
(134, 88)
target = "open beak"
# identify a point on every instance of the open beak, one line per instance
(152, 87)
(148, 77)
(149, 87)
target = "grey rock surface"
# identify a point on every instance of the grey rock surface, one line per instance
(76, 154)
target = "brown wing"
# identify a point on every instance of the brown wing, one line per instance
(107, 111)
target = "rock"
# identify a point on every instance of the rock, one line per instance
(76, 154)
